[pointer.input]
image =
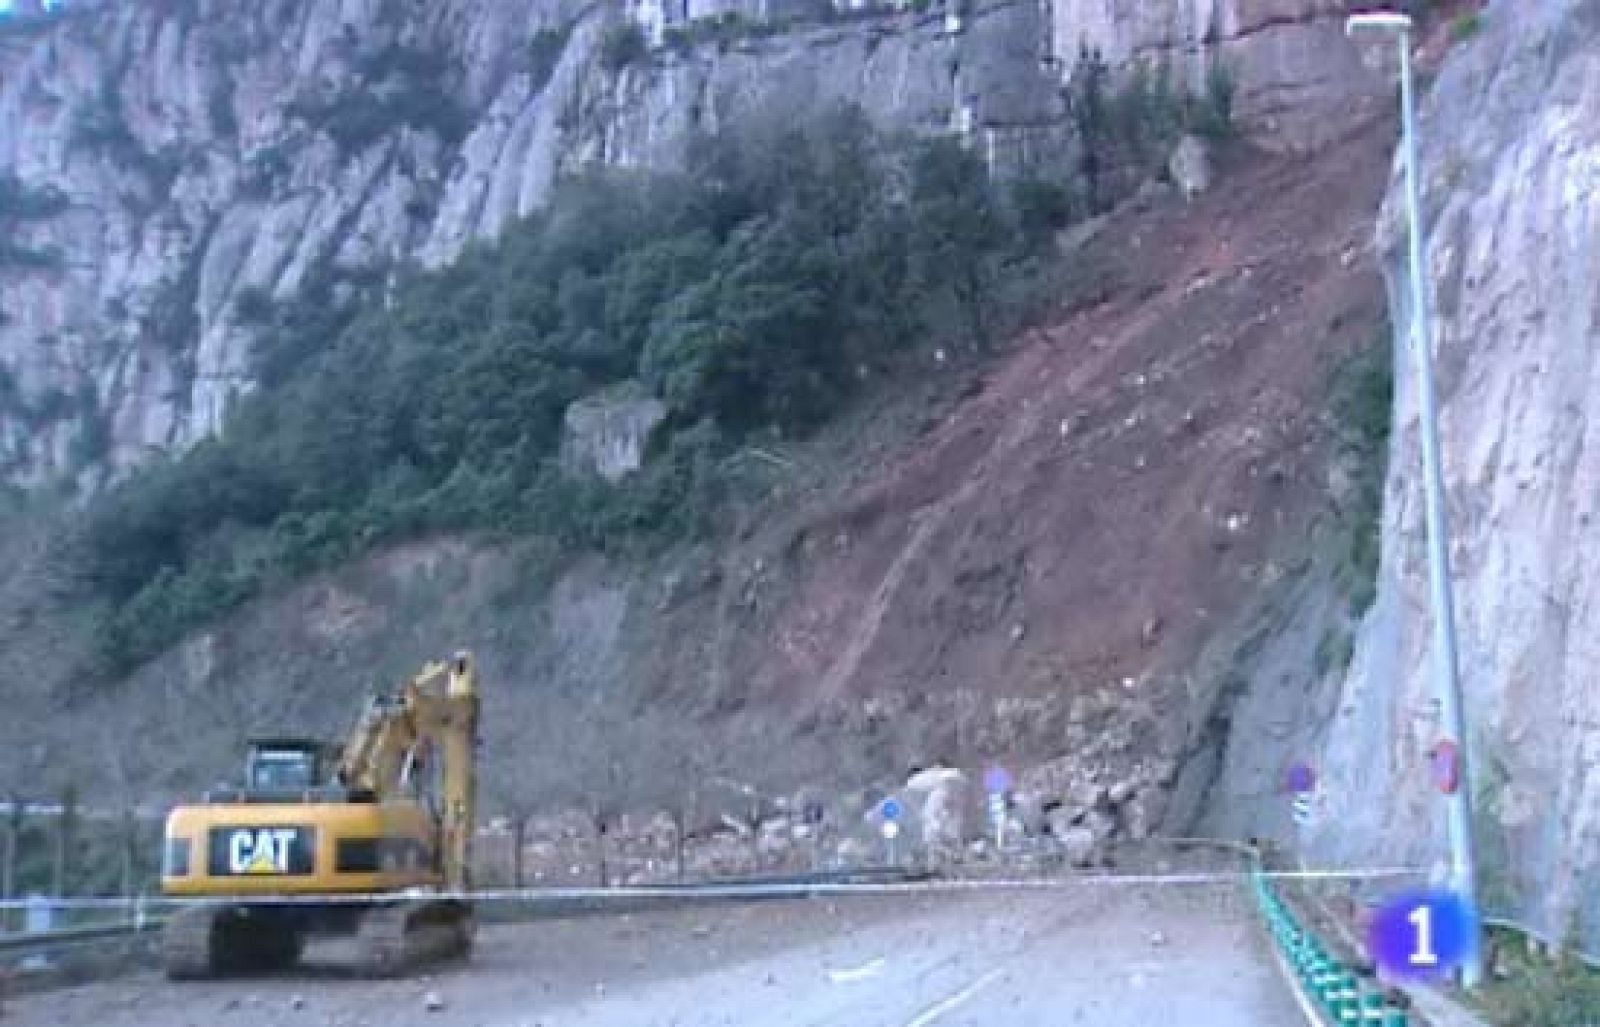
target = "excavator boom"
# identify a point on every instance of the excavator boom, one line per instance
(397, 735)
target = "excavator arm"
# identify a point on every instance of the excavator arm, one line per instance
(434, 712)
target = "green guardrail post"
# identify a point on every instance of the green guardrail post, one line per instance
(1348, 1008)
(1328, 988)
(1346, 994)
(1374, 1009)
(1327, 984)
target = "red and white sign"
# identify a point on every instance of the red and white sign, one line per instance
(1446, 759)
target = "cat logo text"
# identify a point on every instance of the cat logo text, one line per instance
(264, 850)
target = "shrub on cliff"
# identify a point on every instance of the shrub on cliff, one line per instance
(623, 44)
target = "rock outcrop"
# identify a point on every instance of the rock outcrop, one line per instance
(608, 433)
(1295, 81)
(943, 808)
(1190, 168)
(1511, 171)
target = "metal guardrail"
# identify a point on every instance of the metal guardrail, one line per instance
(61, 937)
(1338, 993)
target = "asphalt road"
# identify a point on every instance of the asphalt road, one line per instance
(1179, 955)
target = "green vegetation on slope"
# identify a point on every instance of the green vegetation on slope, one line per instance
(399, 85)
(1135, 125)
(1527, 990)
(753, 295)
(1363, 405)
(1362, 397)
(544, 53)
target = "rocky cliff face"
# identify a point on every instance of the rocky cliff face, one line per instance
(162, 157)
(1298, 83)
(1511, 162)
(166, 164)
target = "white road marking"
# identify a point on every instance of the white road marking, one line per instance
(938, 1009)
(871, 969)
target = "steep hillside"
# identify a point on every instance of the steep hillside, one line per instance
(1051, 558)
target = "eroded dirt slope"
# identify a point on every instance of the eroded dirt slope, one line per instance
(1117, 488)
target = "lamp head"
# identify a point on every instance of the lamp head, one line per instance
(1377, 23)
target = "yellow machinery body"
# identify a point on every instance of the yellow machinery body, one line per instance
(380, 850)
(353, 848)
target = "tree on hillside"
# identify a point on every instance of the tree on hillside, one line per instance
(959, 235)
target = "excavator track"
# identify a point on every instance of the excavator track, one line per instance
(186, 945)
(212, 941)
(394, 939)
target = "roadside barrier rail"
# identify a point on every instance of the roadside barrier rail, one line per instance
(1341, 995)
(63, 937)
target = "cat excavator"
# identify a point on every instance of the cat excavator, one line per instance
(379, 848)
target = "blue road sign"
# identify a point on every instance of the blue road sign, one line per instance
(890, 808)
(1301, 778)
(996, 779)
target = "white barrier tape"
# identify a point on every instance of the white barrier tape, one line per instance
(152, 903)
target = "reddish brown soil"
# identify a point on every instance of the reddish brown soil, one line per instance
(1066, 524)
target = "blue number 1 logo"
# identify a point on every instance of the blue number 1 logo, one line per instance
(1421, 934)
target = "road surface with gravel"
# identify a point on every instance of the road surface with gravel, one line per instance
(1098, 955)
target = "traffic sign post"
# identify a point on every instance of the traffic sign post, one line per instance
(890, 810)
(813, 815)
(997, 818)
(1302, 781)
(997, 782)
(891, 831)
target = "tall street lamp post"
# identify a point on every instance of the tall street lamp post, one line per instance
(1452, 747)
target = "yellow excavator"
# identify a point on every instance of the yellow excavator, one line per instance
(379, 848)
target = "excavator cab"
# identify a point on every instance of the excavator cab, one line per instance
(283, 765)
